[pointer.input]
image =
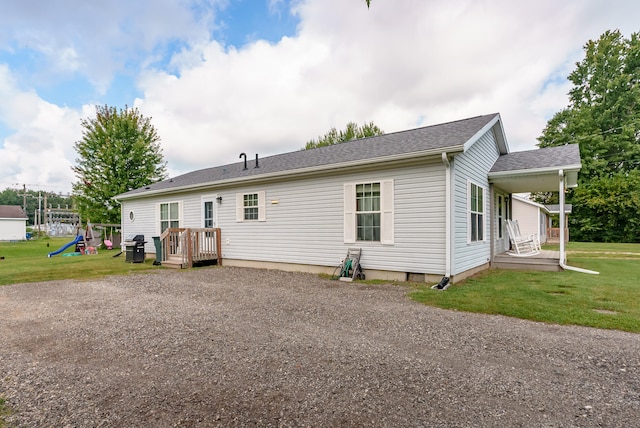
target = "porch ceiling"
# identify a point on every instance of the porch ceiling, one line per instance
(536, 170)
(526, 181)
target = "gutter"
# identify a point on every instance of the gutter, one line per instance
(563, 255)
(445, 282)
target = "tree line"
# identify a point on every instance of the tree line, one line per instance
(603, 117)
(33, 200)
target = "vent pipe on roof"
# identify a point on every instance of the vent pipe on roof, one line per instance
(245, 160)
(257, 166)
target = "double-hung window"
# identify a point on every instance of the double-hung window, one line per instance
(169, 215)
(251, 206)
(368, 212)
(476, 212)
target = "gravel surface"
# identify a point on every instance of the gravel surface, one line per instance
(247, 347)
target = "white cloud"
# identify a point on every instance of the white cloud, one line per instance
(400, 64)
(40, 151)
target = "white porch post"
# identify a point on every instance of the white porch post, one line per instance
(563, 258)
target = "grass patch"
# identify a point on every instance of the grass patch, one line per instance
(607, 301)
(4, 412)
(599, 250)
(27, 261)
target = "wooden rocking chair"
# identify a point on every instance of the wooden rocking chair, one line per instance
(522, 246)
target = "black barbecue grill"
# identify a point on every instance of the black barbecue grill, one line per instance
(134, 248)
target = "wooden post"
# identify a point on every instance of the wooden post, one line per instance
(219, 246)
(189, 242)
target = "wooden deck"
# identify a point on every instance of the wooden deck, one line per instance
(182, 247)
(548, 261)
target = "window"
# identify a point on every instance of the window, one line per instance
(476, 212)
(208, 213)
(500, 215)
(169, 215)
(250, 206)
(368, 212)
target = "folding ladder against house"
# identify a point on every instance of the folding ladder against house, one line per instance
(350, 267)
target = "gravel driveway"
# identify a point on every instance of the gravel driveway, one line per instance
(244, 347)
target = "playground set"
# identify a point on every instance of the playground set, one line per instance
(86, 242)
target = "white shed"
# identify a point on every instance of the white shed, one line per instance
(13, 223)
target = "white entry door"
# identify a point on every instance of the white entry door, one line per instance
(209, 212)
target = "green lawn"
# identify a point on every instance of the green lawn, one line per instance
(27, 261)
(608, 300)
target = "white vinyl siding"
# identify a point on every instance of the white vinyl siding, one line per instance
(306, 223)
(472, 166)
(306, 219)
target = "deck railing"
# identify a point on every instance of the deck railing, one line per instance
(553, 234)
(191, 245)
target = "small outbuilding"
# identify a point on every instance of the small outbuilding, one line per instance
(13, 223)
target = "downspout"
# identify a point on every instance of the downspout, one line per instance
(563, 256)
(445, 281)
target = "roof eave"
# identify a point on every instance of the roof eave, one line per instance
(398, 158)
(535, 171)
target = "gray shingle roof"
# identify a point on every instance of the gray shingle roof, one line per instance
(547, 157)
(436, 137)
(12, 211)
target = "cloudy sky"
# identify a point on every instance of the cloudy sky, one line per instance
(220, 77)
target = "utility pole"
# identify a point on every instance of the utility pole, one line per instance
(24, 198)
(44, 214)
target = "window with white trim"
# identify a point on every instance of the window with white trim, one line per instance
(208, 213)
(475, 204)
(250, 206)
(169, 215)
(368, 212)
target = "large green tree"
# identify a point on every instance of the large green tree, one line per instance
(603, 117)
(351, 132)
(119, 151)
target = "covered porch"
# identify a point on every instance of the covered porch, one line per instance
(551, 169)
(546, 260)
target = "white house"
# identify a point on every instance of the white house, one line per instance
(428, 202)
(13, 223)
(533, 218)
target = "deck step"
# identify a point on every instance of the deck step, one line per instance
(548, 261)
(173, 262)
